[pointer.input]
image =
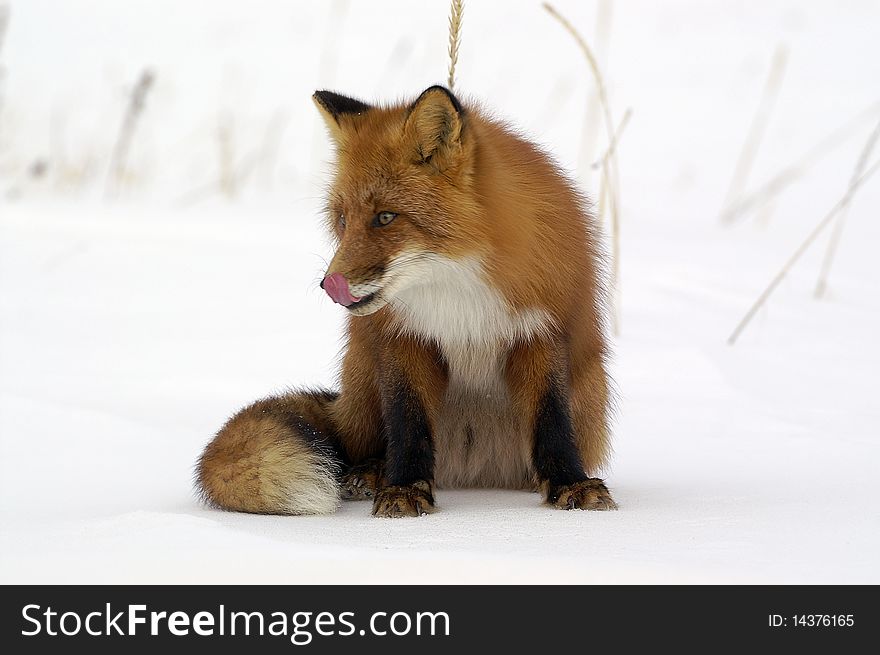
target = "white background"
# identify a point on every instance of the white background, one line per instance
(134, 319)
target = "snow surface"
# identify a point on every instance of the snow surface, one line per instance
(131, 328)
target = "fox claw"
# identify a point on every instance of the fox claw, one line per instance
(591, 494)
(360, 482)
(399, 501)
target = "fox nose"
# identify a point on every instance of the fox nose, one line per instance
(336, 287)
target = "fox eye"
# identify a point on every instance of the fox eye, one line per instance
(342, 221)
(383, 218)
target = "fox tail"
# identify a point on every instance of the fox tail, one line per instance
(276, 456)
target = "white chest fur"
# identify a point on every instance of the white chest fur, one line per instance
(448, 301)
(479, 439)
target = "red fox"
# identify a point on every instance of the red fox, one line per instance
(467, 265)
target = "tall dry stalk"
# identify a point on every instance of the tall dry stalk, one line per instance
(456, 10)
(801, 249)
(612, 147)
(611, 175)
(758, 128)
(793, 171)
(603, 163)
(119, 158)
(593, 114)
(4, 25)
(837, 232)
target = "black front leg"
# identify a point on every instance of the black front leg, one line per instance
(410, 449)
(557, 459)
(407, 489)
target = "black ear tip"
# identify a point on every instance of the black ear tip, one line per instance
(437, 88)
(337, 104)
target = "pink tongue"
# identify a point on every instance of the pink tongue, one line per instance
(336, 287)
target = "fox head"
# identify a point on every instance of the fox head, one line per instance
(402, 193)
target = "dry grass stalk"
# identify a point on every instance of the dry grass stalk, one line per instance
(119, 158)
(612, 148)
(456, 11)
(825, 222)
(603, 163)
(610, 169)
(758, 128)
(796, 169)
(608, 192)
(837, 232)
(4, 25)
(593, 114)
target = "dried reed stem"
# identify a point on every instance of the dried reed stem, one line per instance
(4, 25)
(757, 129)
(603, 163)
(456, 10)
(796, 169)
(593, 114)
(825, 222)
(837, 232)
(610, 169)
(615, 248)
(612, 148)
(119, 158)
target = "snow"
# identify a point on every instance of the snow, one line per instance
(131, 328)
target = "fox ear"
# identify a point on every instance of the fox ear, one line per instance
(335, 108)
(434, 125)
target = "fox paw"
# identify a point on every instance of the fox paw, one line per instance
(398, 501)
(360, 482)
(587, 494)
